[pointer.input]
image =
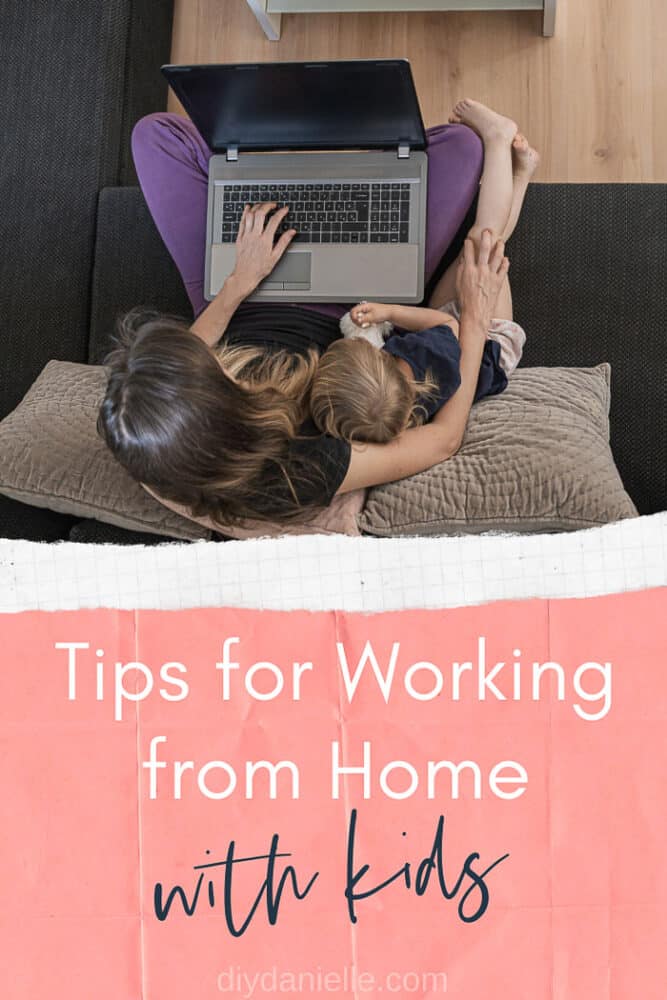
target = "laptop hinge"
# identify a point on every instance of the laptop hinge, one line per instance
(232, 154)
(403, 151)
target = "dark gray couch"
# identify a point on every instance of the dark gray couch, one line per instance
(589, 262)
(74, 77)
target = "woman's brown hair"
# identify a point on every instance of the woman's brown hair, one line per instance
(210, 433)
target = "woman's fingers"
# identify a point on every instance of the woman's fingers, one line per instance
(241, 228)
(485, 247)
(275, 220)
(246, 218)
(260, 213)
(497, 256)
(283, 243)
(468, 256)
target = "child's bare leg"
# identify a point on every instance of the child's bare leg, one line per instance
(496, 187)
(503, 308)
(525, 161)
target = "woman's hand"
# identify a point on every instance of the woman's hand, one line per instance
(367, 313)
(480, 277)
(256, 252)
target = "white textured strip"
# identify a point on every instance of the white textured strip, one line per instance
(325, 572)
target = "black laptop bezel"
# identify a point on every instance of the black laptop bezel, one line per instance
(172, 72)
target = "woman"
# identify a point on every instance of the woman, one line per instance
(227, 433)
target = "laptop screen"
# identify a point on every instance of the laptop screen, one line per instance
(361, 104)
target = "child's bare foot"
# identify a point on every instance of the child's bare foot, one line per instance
(526, 159)
(487, 123)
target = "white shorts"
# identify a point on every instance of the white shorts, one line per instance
(506, 332)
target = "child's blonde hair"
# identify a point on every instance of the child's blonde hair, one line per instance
(360, 393)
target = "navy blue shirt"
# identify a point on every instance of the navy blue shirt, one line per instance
(437, 353)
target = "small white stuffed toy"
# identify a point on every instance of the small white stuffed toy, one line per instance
(374, 333)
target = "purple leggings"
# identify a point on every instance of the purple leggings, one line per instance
(172, 163)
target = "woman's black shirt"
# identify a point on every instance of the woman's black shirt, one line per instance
(319, 463)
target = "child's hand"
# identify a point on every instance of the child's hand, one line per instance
(368, 313)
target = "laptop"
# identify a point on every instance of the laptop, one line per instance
(342, 144)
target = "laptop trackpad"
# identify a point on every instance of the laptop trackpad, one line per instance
(293, 268)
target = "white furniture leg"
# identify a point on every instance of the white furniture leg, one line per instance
(268, 12)
(549, 18)
(270, 22)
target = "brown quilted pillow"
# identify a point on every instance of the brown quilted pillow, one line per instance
(534, 459)
(51, 456)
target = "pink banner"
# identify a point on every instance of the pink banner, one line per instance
(468, 803)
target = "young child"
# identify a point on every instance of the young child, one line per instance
(365, 394)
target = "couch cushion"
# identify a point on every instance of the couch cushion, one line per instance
(92, 532)
(20, 521)
(534, 459)
(132, 268)
(51, 456)
(589, 280)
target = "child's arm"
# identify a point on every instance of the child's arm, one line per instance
(481, 277)
(407, 317)
(415, 318)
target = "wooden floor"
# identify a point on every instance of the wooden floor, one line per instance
(593, 99)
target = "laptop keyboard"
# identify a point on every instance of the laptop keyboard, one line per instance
(363, 212)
